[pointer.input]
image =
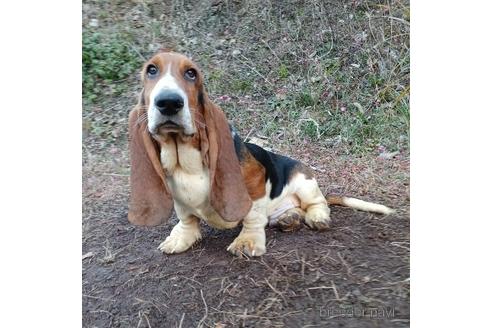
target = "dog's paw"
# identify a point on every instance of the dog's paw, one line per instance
(179, 242)
(289, 221)
(248, 243)
(318, 218)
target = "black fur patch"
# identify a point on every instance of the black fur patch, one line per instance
(238, 144)
(278, 168)
(142, 98)
(200, 98)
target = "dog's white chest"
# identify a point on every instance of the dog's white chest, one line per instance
(186, 176)
(191, 190)
(189, 183)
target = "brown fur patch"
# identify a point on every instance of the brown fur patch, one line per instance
(150, 200)
(335, 200)
(254, 177)
(301, 168)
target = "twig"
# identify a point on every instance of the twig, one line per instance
(335, 290)
(107, 312)
(90, 254)
(324, 287)
(249, 133)
(101, 311)
(283, 315)
(254, 70)
(397, 244)
(99, 298)
(136, 50)
(116, 174)
(244, 317)
(276, 291)
(191, 279)
(273, 52)
(147, 319)
(345, 264)
(206, 310)
(181, 321)
(139, 319)
(401, 20)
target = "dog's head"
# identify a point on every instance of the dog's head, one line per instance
(173, 102)
(172, 88)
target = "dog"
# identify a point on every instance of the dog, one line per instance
(185, 155)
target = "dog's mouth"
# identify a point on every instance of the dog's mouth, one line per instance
(169, 126)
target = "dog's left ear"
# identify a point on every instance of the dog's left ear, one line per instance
(228, 195)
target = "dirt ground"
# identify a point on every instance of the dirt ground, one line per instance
(354, 275)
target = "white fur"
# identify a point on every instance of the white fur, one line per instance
(183, 117)
(366, 206)
(311, 200)
(189, 183)
(289, 202)
(183, 236)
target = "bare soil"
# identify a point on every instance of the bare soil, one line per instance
(356, 274)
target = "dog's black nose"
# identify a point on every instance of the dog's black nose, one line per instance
(168, 102)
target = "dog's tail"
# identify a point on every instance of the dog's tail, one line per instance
(358, 204)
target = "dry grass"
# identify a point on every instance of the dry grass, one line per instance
(329, 72)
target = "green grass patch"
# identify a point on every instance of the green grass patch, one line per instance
(283, 71)
(332, 65)
(305, 99)
(365, 131)
(309, 128)
(106, 61)
(242, 85)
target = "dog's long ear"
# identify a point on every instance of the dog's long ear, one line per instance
(228, 194)
(150, 201)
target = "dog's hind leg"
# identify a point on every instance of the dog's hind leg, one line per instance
(290, 220)
(313, 202)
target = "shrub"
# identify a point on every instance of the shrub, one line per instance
(106, 61)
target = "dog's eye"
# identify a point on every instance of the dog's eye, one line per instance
(152, 71)
(190, 74)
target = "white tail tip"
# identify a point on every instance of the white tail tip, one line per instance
(367, 206)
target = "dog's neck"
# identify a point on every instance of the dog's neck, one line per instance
(180, 152)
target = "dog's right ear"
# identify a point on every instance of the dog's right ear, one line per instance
(150, 201)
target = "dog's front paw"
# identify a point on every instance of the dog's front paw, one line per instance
(249, 243)
(179, 241)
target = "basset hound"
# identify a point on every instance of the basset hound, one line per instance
(185, 155)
